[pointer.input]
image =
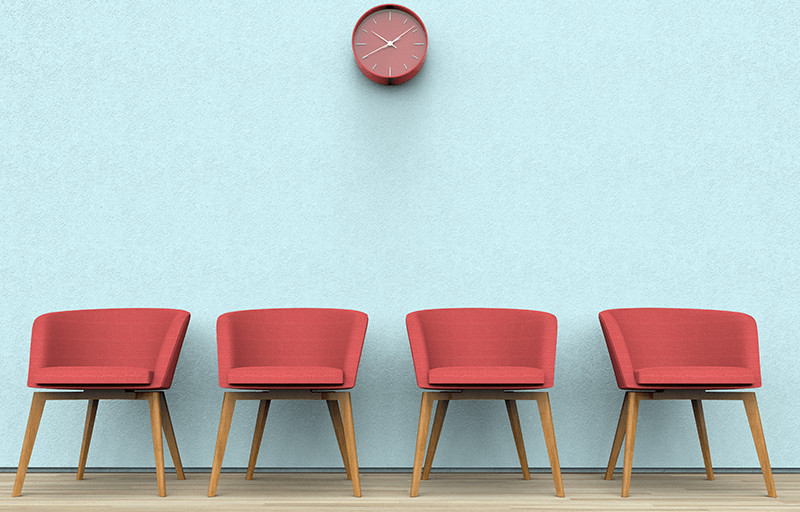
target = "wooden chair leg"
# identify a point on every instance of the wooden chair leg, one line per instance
(258, 435)
(350, 440)
(338, 429)
(630, 438)
(546, 416)
(436, 431)
(754, 418)
(169, 434)
(91, 414)
(618, 437)
(228, 404)
(154, 399)
(700, 421)
(422, 436)
(35, 416)
(516, 429)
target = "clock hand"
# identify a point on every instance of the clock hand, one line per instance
(398, 37)
(373, 51)
(384, 40)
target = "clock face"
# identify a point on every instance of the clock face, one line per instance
(389, 44)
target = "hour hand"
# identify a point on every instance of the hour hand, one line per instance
(390, 43)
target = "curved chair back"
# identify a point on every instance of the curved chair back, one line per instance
(664, 348)
(299, 348)
(134, 348)
(483, 348)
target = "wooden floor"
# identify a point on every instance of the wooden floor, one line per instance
(462, 492)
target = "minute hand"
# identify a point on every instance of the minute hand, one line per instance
(373, 51)
(401, 35)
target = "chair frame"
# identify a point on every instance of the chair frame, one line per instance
(159, 420)
(339, 407)
(626, 429)
(510, 397)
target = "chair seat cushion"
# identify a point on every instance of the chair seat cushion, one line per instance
(92, 376)
(285, 375)
(699, 376)
(486, 375)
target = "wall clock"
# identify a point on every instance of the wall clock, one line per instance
(389, 44)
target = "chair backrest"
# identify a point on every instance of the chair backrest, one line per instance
(92, 348)
(482, 337)
(660, 348)
(291, 337)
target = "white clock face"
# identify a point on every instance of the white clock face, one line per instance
(390, 43)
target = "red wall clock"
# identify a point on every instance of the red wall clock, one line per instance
(389, 44)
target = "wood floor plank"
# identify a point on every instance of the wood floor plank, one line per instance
(462, 492)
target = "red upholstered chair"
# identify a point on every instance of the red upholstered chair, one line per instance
(290, 354)
(118, 354)
(482, 354)
(667, 354)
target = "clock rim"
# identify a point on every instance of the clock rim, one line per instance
(405, 77)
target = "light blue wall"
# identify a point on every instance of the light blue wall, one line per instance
(562, 156)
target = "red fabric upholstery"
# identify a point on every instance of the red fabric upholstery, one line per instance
(93, 376)
(282, 375)
(694, 376)
(657, 348)
(106, 348)
(301, 346)
(471, 347)
(482, 375)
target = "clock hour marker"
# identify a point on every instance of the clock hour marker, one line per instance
(415, 57)
(390, 71)
(361, 44)
(405, 66)
(373, 67)
(373, 21)
(390, 15)
(414, 31)
(405, 21)
(365, 31)
(419, 44)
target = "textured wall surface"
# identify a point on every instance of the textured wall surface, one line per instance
(562, 156)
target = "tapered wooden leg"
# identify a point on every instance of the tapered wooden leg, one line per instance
(154, 399)
(618, 437)
(754, 418)
(516, 429)
(630, 438)
(35, 416)
(169, 434)
(91, 413)
(422, 436)
(258, 434)
(228, 404)
(700, 420)
(436, 431)
(350, 440)
(338, 429)
(545, 414)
